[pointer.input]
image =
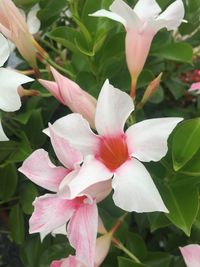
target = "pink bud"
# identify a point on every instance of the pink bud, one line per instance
(70, 94)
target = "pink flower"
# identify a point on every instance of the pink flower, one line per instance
(191, 255)
(141, 24)
(115, 153)
(14, 27)
(195, 87)
(10, 81)
(70, 94)
(80, 211)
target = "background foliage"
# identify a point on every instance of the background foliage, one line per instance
(90, 50)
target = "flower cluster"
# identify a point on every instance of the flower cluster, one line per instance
(93, 162)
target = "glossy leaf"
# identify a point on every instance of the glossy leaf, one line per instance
(16, 224)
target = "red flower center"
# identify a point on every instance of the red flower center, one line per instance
(113, 151)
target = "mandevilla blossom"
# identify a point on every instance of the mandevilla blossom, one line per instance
(141, 24)
(80, 211)
(115, 153)
(70, 94)
(14, 27)
(10, 81)
(195, 87)
(191, 255)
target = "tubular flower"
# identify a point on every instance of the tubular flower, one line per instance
(141, 24)
(80, 211)
(191, 255)
(14, 27)
(10, 81)
(115, 153)
(70, 94)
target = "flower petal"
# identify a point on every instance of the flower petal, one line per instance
(191, 255)
(82, 232)
(3, 136)
(40, 170)
(71, 261)
(195, 87)
(76, 130)
(126, 12)
(10, 80)
(102, 248)
(147, 140)
(113, 109)
(172, 17)
(33, 22)
(91, 172)
(147, 9)
(67, 155)
(53, 88)
(42, 220)
(134, 189)
(5, 50)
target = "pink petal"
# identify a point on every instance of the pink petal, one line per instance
(50, 212)
(82, 232)
(40, 170)
(92, 172)
(67, 155)
(113, 109)
(5, 50)
(194, 87)
(75, 98)
(147, 140)
(101, 227)
(191, 255)
(134, 189)
(71, 261)
(75, 129)
(53, 88)
(102, 248)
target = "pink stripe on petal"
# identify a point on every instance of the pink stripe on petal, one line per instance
(82, 232)
(68, 156)
(40, 170)
(191, 255)
(50, 212)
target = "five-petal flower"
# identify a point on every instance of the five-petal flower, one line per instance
(117, 153)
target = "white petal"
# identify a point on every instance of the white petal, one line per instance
(92, 172)
(134, 189)
(9, 97)
(113, 109)
(126, 12)
(147, 140)
(172, 17)
(110, 15)
(62, 230)
(76, 130)
(32, 20)
(4, 50)
(147, 9)
(3, 137)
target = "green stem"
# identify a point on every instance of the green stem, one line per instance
(125, 250)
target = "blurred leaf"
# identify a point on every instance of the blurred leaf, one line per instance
(28, 193)
(8, 181)
(16, 224)
(185, 142)
(181, 52)
(136, 245)
(158, 259)
(158, 96)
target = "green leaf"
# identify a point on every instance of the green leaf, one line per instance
(192, 168)
(182, 202)
(185, 142)
(136, 245)
(158, 259)
(181, 52)
(124, 262)
(28, 193)
(8, 181)
(158, 220)
(16, 224)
